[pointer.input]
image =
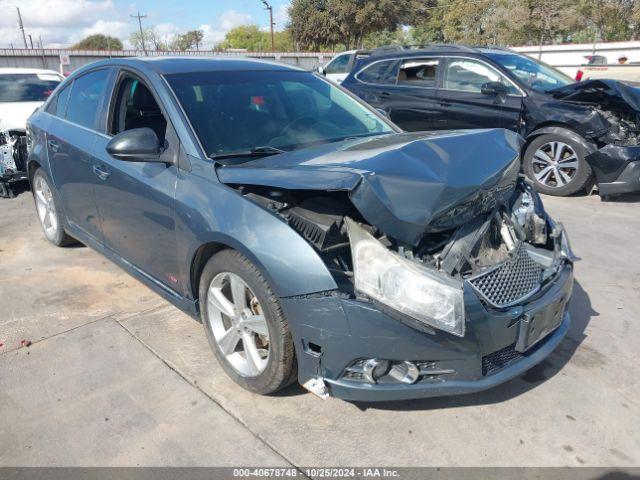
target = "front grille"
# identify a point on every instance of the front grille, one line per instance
(499, 359)
(511, 281)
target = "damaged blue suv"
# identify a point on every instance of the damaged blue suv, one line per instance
(313, 239)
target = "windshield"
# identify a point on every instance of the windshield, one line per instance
(27, 87)
(240, 111)
(536, 75)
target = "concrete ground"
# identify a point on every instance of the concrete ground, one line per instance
(115, 376)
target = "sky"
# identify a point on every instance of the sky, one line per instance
(61, 23)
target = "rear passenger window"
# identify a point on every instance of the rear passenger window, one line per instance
(421, 72)
(86, 97)
(58, 104)
(385, 73)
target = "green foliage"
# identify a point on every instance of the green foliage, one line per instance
(250, 37)
(98, 42)
(317, 24)
(188, 41)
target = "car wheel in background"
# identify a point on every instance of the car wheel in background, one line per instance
(48, 209)
(556, 165)
(245, 325)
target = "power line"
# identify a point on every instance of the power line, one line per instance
(140, 17)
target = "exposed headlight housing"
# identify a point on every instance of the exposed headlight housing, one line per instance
(414, 290)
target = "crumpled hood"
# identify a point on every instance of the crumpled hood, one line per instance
(603, 92)
(404, 184)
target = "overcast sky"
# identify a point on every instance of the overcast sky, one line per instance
(62, 23)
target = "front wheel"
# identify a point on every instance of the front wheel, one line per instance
(245, 325)
(49, 210)
(556, 165)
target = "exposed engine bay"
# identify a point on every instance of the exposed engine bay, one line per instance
(13, 160)
(615, 107)
(513, 232)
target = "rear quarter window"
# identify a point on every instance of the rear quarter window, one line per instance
(58, 104)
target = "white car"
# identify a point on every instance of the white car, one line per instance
(339, 66)
(22, 90)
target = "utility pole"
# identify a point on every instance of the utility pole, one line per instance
(44, 60)
(31, 41)
(140, 17)
(21, 26)
(270, 8)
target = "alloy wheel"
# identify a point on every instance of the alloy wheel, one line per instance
(238, 324)
(555, 164)
(46, 207)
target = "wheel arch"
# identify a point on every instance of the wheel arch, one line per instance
(558, 128)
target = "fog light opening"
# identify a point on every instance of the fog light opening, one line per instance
(405, 372)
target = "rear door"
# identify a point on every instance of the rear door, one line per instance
(462, 103)
(71, 137)
(414, 104)
(136, 199)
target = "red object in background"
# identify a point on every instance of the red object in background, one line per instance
(257, 100)
(579, 75)
(48, 92)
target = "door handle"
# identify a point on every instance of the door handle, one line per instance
(444, 103)
(385, 94)
(102, 174)
(53, 145)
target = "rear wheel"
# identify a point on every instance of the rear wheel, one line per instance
(245, 324)
(556, 165)
(49, 211)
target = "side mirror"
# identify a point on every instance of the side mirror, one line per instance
(493, 88)
(136, 145)
(321, 70)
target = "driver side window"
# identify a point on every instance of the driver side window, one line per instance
(469, 75)
(135, 107)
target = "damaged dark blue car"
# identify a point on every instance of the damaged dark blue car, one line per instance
(314, 240)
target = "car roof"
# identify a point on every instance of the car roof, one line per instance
(435, 49)
(9, 71)
(168, 65)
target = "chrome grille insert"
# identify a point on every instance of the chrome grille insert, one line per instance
(509, 282)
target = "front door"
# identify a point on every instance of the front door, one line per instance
(465, 106)
(70, 141)
(136, 199)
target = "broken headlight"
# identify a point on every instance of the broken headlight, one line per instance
(404, 285)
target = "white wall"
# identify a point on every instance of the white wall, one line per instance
(570, 56)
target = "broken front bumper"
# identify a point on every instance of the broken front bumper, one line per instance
(332, 334)
(616, 168)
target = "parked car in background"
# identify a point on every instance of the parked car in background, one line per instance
(626, 72)
(312, 238)
(22, 90)
(575, 133)
(339, 66)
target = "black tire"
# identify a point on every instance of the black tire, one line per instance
(59, 237)
(281, 369)
(581, 180)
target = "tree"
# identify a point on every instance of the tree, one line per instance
(188, 41)
(98, 42)
(324, 23)
(152, 40)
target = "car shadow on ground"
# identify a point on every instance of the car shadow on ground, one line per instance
(581, 314)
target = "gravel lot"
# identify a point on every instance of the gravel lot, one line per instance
(115, 376)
